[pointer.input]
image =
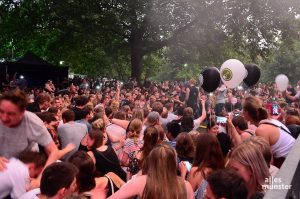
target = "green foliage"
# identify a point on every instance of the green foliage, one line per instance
(151, 37)
(286, 61)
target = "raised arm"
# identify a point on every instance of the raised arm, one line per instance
(199, 120)
(233, 132)
(203, 114)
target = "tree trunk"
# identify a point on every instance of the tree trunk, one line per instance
(136, 64)
(136, 56)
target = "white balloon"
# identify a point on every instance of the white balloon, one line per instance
(282, 82)
(233, 73)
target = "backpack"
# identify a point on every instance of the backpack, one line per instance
(134, 165)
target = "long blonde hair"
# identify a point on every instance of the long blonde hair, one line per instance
(161, 170)
(263, 146)
(251, 157)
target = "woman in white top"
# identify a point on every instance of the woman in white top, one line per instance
(273, 131)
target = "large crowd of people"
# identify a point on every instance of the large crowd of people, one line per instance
(100, 138)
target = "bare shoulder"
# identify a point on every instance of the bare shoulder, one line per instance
(245, 136)
(268, 132)
(116, 179)
(193, 171)
(139, 180)
(264, 129)
(195, 174)
(101, 181)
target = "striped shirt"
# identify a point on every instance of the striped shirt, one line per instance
(130, 146)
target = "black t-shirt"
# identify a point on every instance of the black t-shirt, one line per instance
(33, 107)
(107, 161)
(193, 96)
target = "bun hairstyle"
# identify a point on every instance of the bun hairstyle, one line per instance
(135, 128)
(254, 108)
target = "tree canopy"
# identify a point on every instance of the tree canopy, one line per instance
(171, 38)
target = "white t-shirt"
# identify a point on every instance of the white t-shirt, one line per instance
(32, 194)
(23, 137)
(285, 142)
(14, 179)
(221, 95)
